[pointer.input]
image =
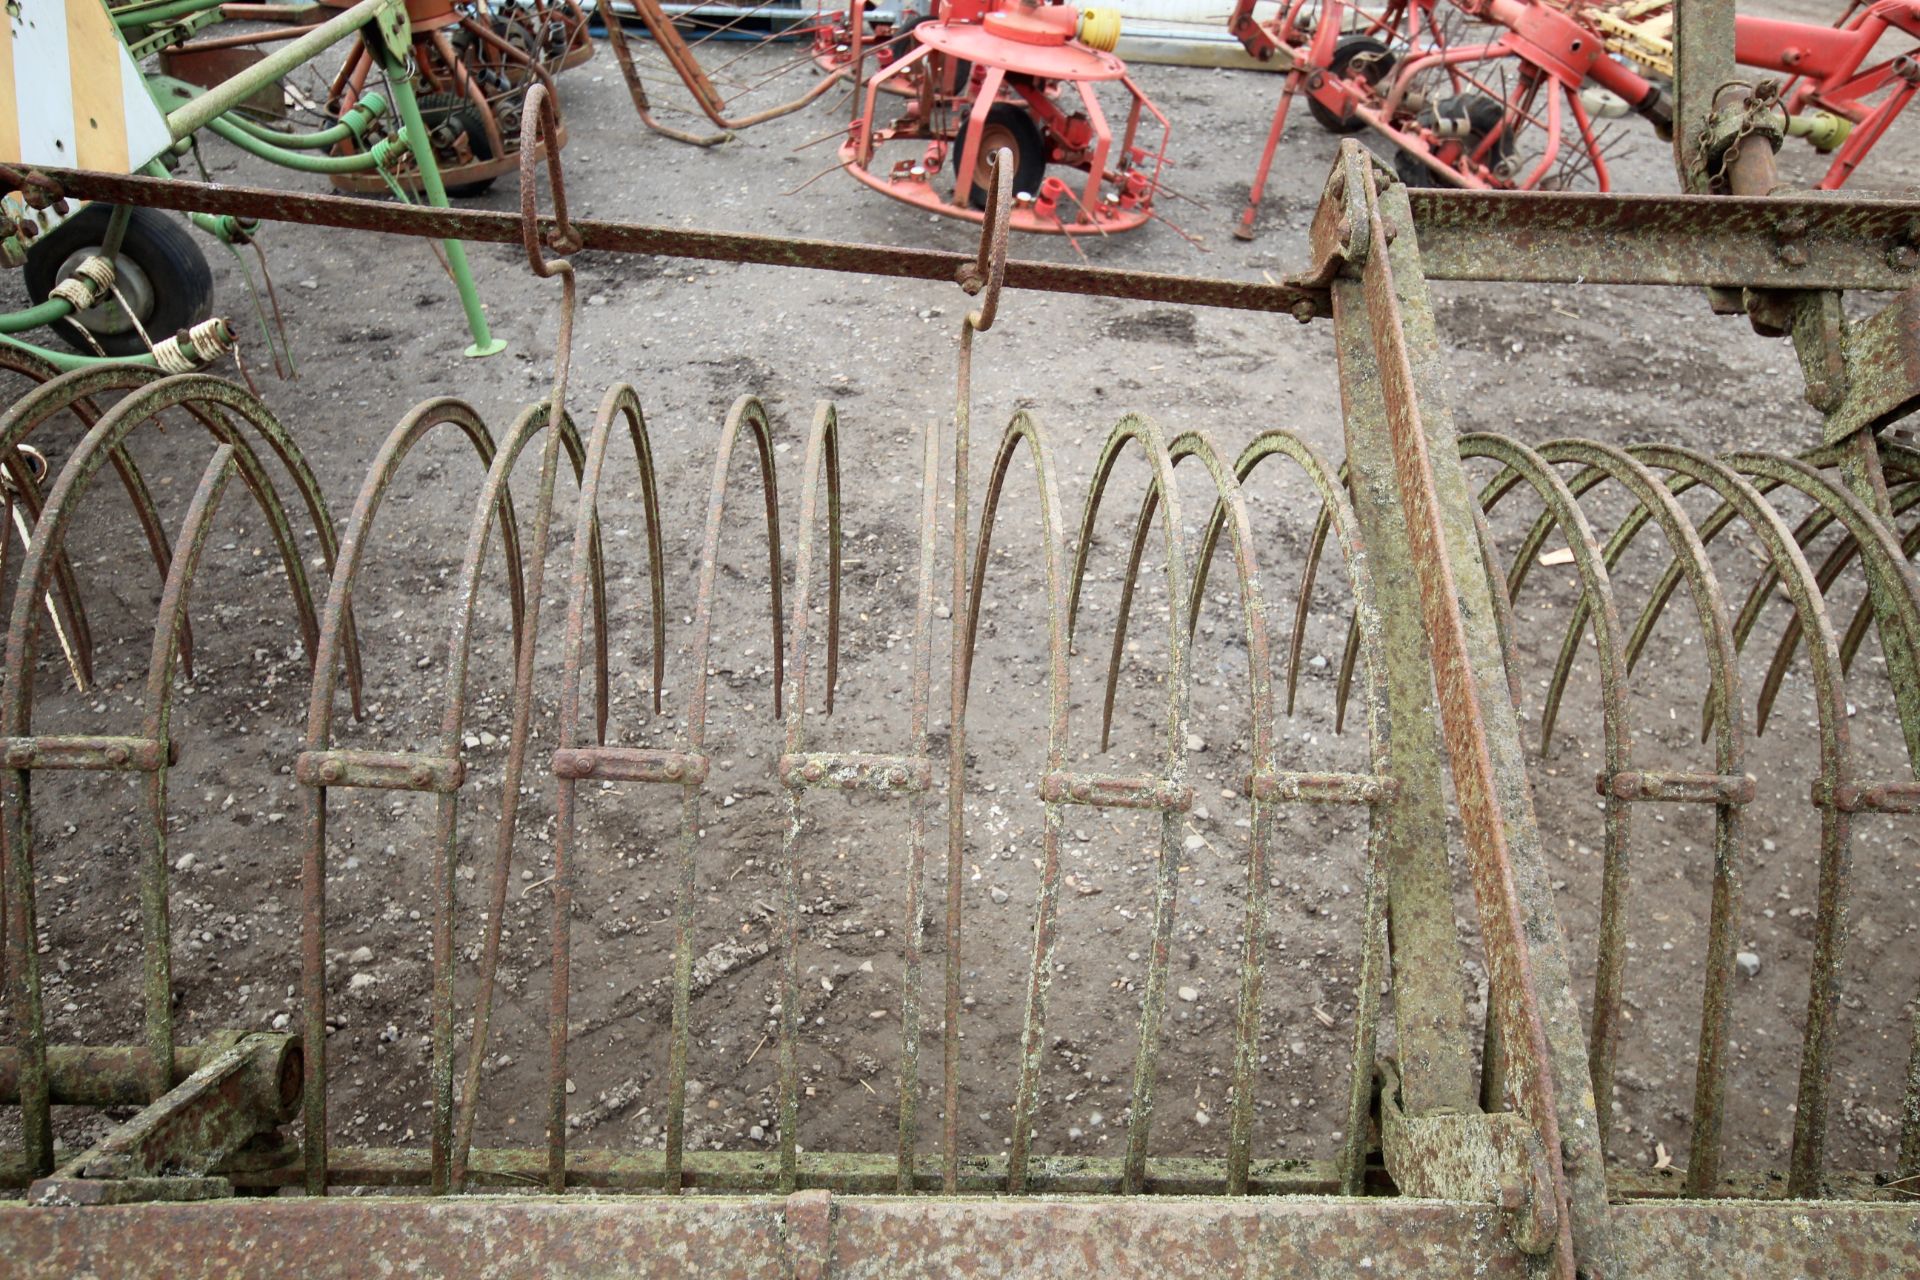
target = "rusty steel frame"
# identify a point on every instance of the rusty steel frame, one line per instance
(1492, 1135)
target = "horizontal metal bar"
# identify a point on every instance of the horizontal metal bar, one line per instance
(1676, 788)
(382, 770)
(101, 1075)
(1887, 797)
(1287, 787)
(631, 764)
(902, 1238)
(848, 771)
(1772, 242)
(90, 752)
(1101, 791)
(494, 227)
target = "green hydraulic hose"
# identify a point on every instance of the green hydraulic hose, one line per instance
(358, 162)
(67, 362)
(351, 127)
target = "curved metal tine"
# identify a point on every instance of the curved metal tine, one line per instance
(335, 635)
(65, 608)
(196, 527)
(1503, 623)
(1830, 569)
(1230, 512)
(1368, 641)
(203, 394)
(1863, 615)
(920, 812)
(1659, 501)
(621, 403)
(749, 415)
(823, 454)
(1561, 511)
(1789, 563)
(1024, 430)
(565, 438)
(1152, 442)
(1882, 555)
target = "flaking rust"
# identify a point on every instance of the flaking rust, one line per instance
(1459, 1157)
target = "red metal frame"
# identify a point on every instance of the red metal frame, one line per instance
(1549, 55)
(1013, 60)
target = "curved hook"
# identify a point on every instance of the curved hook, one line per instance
(985, 274)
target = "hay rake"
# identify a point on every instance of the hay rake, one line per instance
(1479, 1146)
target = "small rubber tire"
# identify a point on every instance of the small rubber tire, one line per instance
(178, 278)
(1484, 115)
(1007, 125)
(1345, 50)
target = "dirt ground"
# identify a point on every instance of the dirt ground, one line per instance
(376, 328)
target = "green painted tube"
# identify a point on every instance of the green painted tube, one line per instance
(148, 15)
(67, 361)
(229, 94)
(33, 317)
(351, 127)
(358, 162)
(421, 143)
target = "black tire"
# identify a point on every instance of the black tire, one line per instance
(178, 289)
(1376, 60)
(1010, 126)
(1483, 115)
(445, 111)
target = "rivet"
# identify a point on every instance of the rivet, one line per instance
(330, 771)
(116, 755)
(421, 775)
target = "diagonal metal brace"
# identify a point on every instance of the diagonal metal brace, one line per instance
(169, 1149)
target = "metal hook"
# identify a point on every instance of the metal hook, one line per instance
(985, 274)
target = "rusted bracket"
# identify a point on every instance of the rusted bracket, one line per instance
(382, 770)
(168, 1150)
(849, 771)
(1888, 797)
(1288, 787)
(1676, 788)
(1479, 1158)
(1061, 787)
(98, 753)
(631, 764)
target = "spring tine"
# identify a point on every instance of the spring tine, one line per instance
(748, 415)
(563, 438)
(823, 452)
(1502, 604)
(335, 634)
(1658, 500)
(919, 732)
(62, 604)
(1303, 605)
(1561, 511)
(1789, 565)
(1230, 511)
(196, 527)
(1863, 615)
(1023, 430)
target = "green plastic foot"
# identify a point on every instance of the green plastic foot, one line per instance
(494, 348)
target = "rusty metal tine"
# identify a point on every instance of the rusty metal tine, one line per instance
(1152, 442)
(920, 739)
(1521, 465)
(539, 120)
(1842, 554)
(196, 527)
(620, 404)
(1230, 505)
(1856, 633)
(1142, 527)
(747, 414)
(1658, 499)
(204, 397)
(984, 279)
(1503, 624)
(565, 438)
(1303, 606)
(65, 608)
(1024, 430)
(335, 635)
(823, 453)
(1337, 515)
(1789, 565)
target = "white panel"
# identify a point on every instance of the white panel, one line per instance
(40, 74)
